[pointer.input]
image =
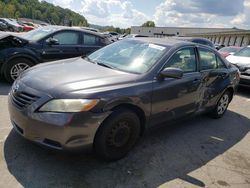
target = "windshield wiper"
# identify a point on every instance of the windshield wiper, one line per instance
(99, 63)
(105, 65)
(88, 59)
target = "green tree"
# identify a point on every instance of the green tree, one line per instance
(149, 24)
(17, 14)
(41, 10)
(11, 9)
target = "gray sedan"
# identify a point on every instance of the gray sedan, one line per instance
(107, 100)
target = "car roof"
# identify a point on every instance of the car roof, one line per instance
(56, 27)
(196, 39)
(86, 28)
(168, 42)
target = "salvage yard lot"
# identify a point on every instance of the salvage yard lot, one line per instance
(199, 152)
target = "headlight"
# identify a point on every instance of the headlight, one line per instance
(69, 105)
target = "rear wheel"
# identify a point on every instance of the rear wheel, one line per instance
(15, 67)
(221, 106)
(117, 135)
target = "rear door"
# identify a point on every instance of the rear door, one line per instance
(90, 43)
(215, 75)
(173, 98)
(69, 45)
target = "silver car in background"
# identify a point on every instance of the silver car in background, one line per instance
(241, 60)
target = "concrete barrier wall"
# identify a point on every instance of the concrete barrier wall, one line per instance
(227, 39)
(225, 36)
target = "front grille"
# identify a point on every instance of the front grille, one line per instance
(22, 99)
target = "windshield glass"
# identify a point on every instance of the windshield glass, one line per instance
(129, 55)
(39, 33)
(245, 52)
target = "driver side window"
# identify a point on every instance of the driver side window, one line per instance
(184, 59)
(67, 38)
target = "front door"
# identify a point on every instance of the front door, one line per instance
(91, 43)
(173, 98)
(68, 46)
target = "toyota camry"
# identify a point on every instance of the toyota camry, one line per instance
(108, 99)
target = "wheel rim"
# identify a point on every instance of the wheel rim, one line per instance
(223, 103)
(17, 69)
(119, 134)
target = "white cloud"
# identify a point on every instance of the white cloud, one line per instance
(190, 13)
(112, 12)
(96, 8)
(63, 3)
(206, 13)
(168, 14)
(243, 19)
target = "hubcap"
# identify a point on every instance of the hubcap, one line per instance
(17, 69)
(119, 135)
(223, 103)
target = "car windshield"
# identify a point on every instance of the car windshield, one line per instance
(38, 34)
(129, 56)
(245, 52)
(228, 49)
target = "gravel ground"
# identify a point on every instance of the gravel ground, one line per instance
(199, 152)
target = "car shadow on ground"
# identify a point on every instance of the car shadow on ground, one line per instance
(162, 155)
(243, 92)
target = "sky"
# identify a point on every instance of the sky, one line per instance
(165, 13)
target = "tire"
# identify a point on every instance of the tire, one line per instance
(15, 67)
(221, 106)
(117, 135)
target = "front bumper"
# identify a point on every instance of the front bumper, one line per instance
(61, 131)
(244, 80)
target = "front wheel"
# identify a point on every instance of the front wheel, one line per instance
(117, 135)
(11, 29)
(15, 67)
(221, 106)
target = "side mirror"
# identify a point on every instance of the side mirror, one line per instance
(52, 41)
(171, 72)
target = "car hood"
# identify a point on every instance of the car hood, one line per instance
(7, 37)
(238, 60)
(7, 34)
(72, 75)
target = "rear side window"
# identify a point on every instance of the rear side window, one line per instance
(209, 60)
(183, 59)
(90, 39)
(67, 38)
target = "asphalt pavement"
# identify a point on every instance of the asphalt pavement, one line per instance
(198, 152)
